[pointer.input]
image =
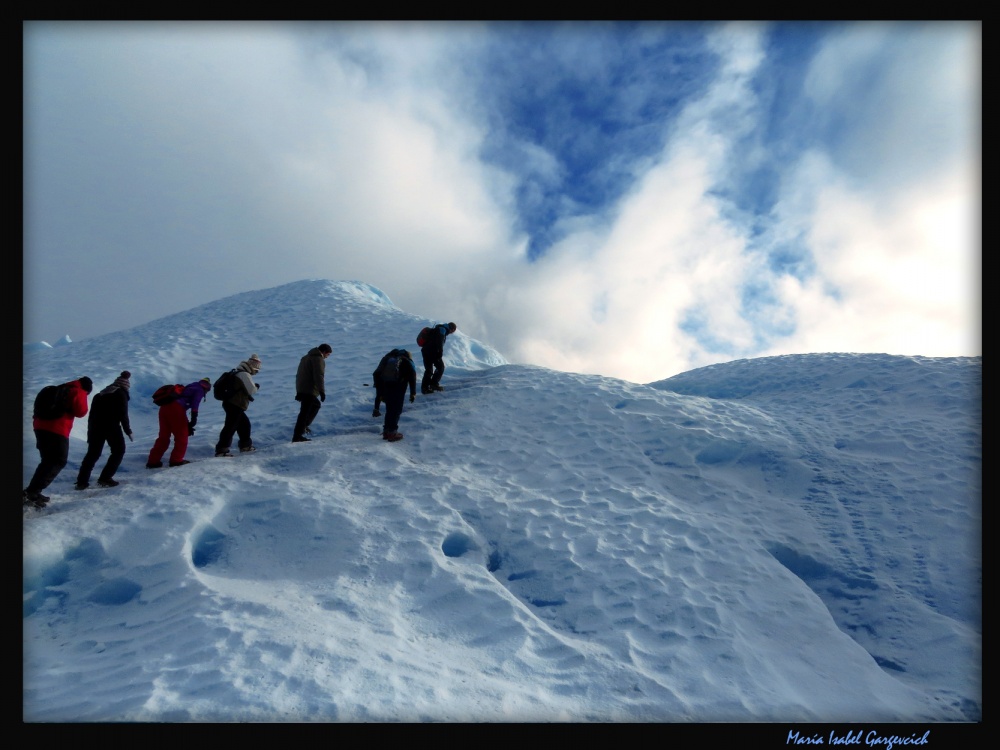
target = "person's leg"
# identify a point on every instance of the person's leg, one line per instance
(308, 409)
(54, 452)
(393, 408)
(116, 442)
(438, 372)
(179, 428)
(95, 446)
(228, 428)
(243, 431)
(162, 439)
(425, 381)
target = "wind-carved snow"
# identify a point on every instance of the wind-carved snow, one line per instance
(789, 539)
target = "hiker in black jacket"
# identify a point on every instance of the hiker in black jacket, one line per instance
(310, 389)
(107, 422)
(433, 354)
(394, 374)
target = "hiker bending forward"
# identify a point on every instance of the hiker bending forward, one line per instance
(392, 390)
(107, 423)
(236, 407)
(174, 423)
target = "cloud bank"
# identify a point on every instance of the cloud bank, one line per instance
(633, 200)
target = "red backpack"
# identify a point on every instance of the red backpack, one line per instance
(167, 393)
(425, 333)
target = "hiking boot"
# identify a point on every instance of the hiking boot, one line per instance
(436, 388)
(157, 465)
(248, 449)
(36, 499)
(81, 486)
(300, 439)
(223, 454)
(179, 463)
(107, 483)
(392, 437)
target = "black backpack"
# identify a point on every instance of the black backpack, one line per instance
(225, 387)
(51, 402)
(388, 369)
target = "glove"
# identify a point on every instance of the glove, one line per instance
(258, 386)
(322, 397)
(190, 429)
(412, 398)
(129, 436)
(194, 420)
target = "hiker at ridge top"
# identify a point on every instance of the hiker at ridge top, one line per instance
(433, 354)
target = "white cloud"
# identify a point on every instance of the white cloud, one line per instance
(255, 154)
(893, 276)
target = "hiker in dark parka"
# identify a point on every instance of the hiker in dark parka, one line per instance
(391, 388)
(107, 423)
(310, 389)
(52, 441)
(433, 354)
(377, 379)
(236, 407)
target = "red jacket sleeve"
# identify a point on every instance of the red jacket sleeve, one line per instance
(78, 397)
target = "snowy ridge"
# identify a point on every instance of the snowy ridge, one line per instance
(768, 540)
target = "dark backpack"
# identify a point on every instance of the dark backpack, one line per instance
(167, 393)
(388, 369)
(424, 336)
(225, 387)
(51, 402)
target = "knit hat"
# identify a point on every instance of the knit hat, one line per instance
(326, 348)
(125, 374)
(254, 361)
(206, 383)
(87, 384)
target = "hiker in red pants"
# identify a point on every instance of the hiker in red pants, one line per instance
(174, 422)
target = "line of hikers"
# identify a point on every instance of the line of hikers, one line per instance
(56, 407)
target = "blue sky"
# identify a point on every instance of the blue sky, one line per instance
(629, 199)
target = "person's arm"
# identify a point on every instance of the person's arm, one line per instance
(79, 406)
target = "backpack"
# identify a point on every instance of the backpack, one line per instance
(50, 402)
(225, 387)
(388, 370)
(167, 393)
(424, 336)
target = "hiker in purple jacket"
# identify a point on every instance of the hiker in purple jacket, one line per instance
(174, 422)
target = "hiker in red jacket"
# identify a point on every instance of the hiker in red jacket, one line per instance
(52, 441)
(174, 422)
